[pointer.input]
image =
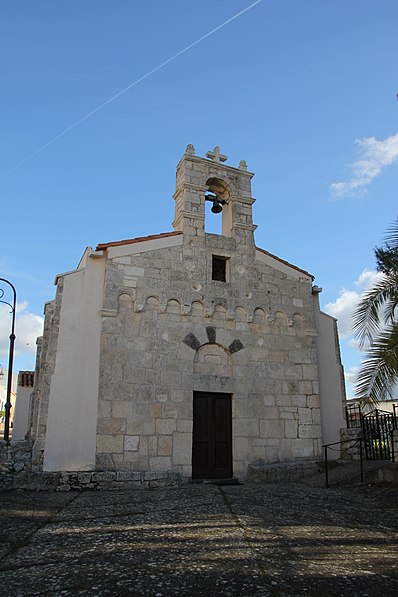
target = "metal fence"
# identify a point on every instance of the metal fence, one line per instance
(353, 415)
(356, 444)
(378, 427)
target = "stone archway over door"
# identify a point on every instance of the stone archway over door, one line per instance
(212, 436)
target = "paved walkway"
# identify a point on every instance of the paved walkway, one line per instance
(202, 540)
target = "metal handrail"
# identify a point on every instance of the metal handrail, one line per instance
(344, 441)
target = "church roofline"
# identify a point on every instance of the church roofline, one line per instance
(198, 159)
(139, 239)
(298, 269)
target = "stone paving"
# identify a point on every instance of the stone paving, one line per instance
(288, 539)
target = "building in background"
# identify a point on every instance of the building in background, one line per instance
(21, 423)
(3, 400)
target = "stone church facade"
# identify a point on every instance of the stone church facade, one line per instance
(187, 351)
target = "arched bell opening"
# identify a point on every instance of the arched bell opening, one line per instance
(218, 218)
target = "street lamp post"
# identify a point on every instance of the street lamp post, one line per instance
(10, 358)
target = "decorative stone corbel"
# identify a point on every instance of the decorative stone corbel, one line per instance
(108, 312)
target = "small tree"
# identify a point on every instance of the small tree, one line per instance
(375, 325)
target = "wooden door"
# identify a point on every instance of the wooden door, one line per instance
(212, 436)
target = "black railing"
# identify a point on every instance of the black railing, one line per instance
(354, 442)
(362, 450)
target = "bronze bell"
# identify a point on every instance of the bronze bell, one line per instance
(217, 206)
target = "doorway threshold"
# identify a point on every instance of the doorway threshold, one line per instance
(230, 481)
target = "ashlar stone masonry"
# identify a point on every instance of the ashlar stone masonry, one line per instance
(174, 366)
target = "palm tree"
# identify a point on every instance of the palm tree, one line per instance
(375, 325)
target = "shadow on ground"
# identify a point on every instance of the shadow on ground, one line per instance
(277, 539)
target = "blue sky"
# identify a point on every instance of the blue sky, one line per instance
(305, 92)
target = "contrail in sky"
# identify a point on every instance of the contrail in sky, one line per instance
(136, 82)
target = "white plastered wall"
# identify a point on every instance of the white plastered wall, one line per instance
(21, 415)
(331, 381)
(72, 413)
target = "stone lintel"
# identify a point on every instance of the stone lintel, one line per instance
(251, 227)
(242, 199)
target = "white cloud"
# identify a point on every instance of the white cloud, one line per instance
(342, 309)
(344, 306)
(368, 278)
(28, 327)
(375, 155)
(351, 375)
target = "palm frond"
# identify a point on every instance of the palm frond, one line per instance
(367, 316)
(392, 235)
(390, 312)
(379, 370)
(387, 256)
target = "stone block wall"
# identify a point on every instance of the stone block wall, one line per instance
(15, 457)
(176, 331)
(351, 444)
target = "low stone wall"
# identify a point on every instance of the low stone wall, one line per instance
(262, 472)
(386, 474)
(15, 457)
(95, 480)
(351, 446)
(117, 480)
